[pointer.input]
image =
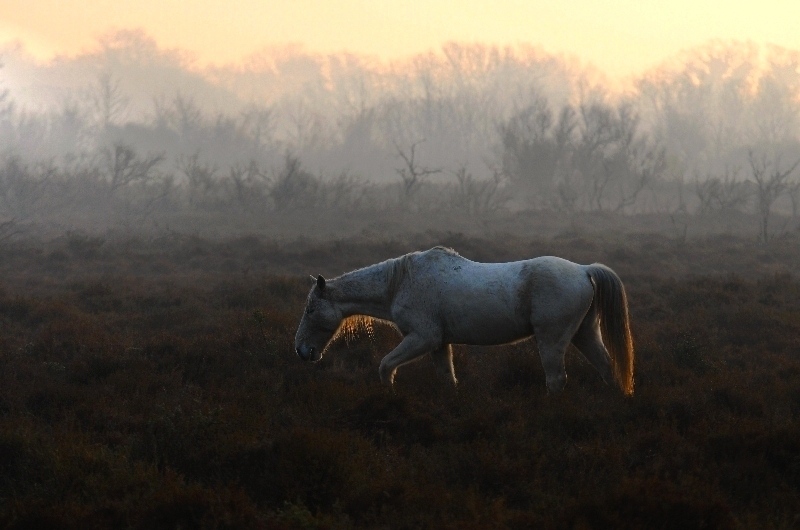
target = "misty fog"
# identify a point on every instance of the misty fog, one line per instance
(135, 138)
(159, 220)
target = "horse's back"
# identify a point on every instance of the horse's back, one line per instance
(491, 303)
(443, 271)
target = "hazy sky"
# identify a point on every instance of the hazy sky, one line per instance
(621, 37)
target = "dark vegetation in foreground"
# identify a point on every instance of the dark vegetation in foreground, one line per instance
(153, 385)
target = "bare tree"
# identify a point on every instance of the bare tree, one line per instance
(567, 194)
(599, 155)
(306, 126)
(722, 193)
(612, 153)
(108, 101)
(293, 186)
(479, 197)
(411, 174)
(163, 114)
(536, 146)
(126, 167)
(771, 182)
(646, 165)
(188, 116)
(6, 106)
(246, 183)
(9, 229)
(793, 191)
(343, 192)
(201, 177)
(259, 124)
(23, 190)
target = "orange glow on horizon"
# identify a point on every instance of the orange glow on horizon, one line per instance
(620, 37)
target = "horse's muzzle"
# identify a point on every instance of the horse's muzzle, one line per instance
(305, 354)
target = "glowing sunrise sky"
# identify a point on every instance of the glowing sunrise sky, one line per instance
(621, 37)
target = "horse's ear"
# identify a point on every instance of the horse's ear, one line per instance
(320, 282)
(313, 278)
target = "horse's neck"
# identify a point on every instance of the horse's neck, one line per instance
(365, 292)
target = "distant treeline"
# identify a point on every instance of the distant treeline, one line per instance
(473, 129)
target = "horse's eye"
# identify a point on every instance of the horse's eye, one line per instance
(309, 310)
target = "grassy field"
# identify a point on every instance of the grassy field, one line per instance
(153, 384)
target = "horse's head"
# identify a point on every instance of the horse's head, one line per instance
(320, 321)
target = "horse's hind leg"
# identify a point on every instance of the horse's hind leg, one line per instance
(443, 360)
(552, 341)
(559, 309)
(589, 341)
(551, 353)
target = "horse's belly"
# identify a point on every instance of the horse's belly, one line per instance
(486, 330)
(484, 310)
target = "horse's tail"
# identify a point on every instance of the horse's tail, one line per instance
(611, 304)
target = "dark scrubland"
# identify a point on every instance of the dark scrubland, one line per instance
(151, 383)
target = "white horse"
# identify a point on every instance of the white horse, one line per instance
(437, 298)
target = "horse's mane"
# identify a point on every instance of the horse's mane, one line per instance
(446, 250)
(400, 268)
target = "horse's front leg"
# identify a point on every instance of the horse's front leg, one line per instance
(411, 347)
(443, 359)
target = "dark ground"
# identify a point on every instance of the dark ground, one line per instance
(152, 384)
